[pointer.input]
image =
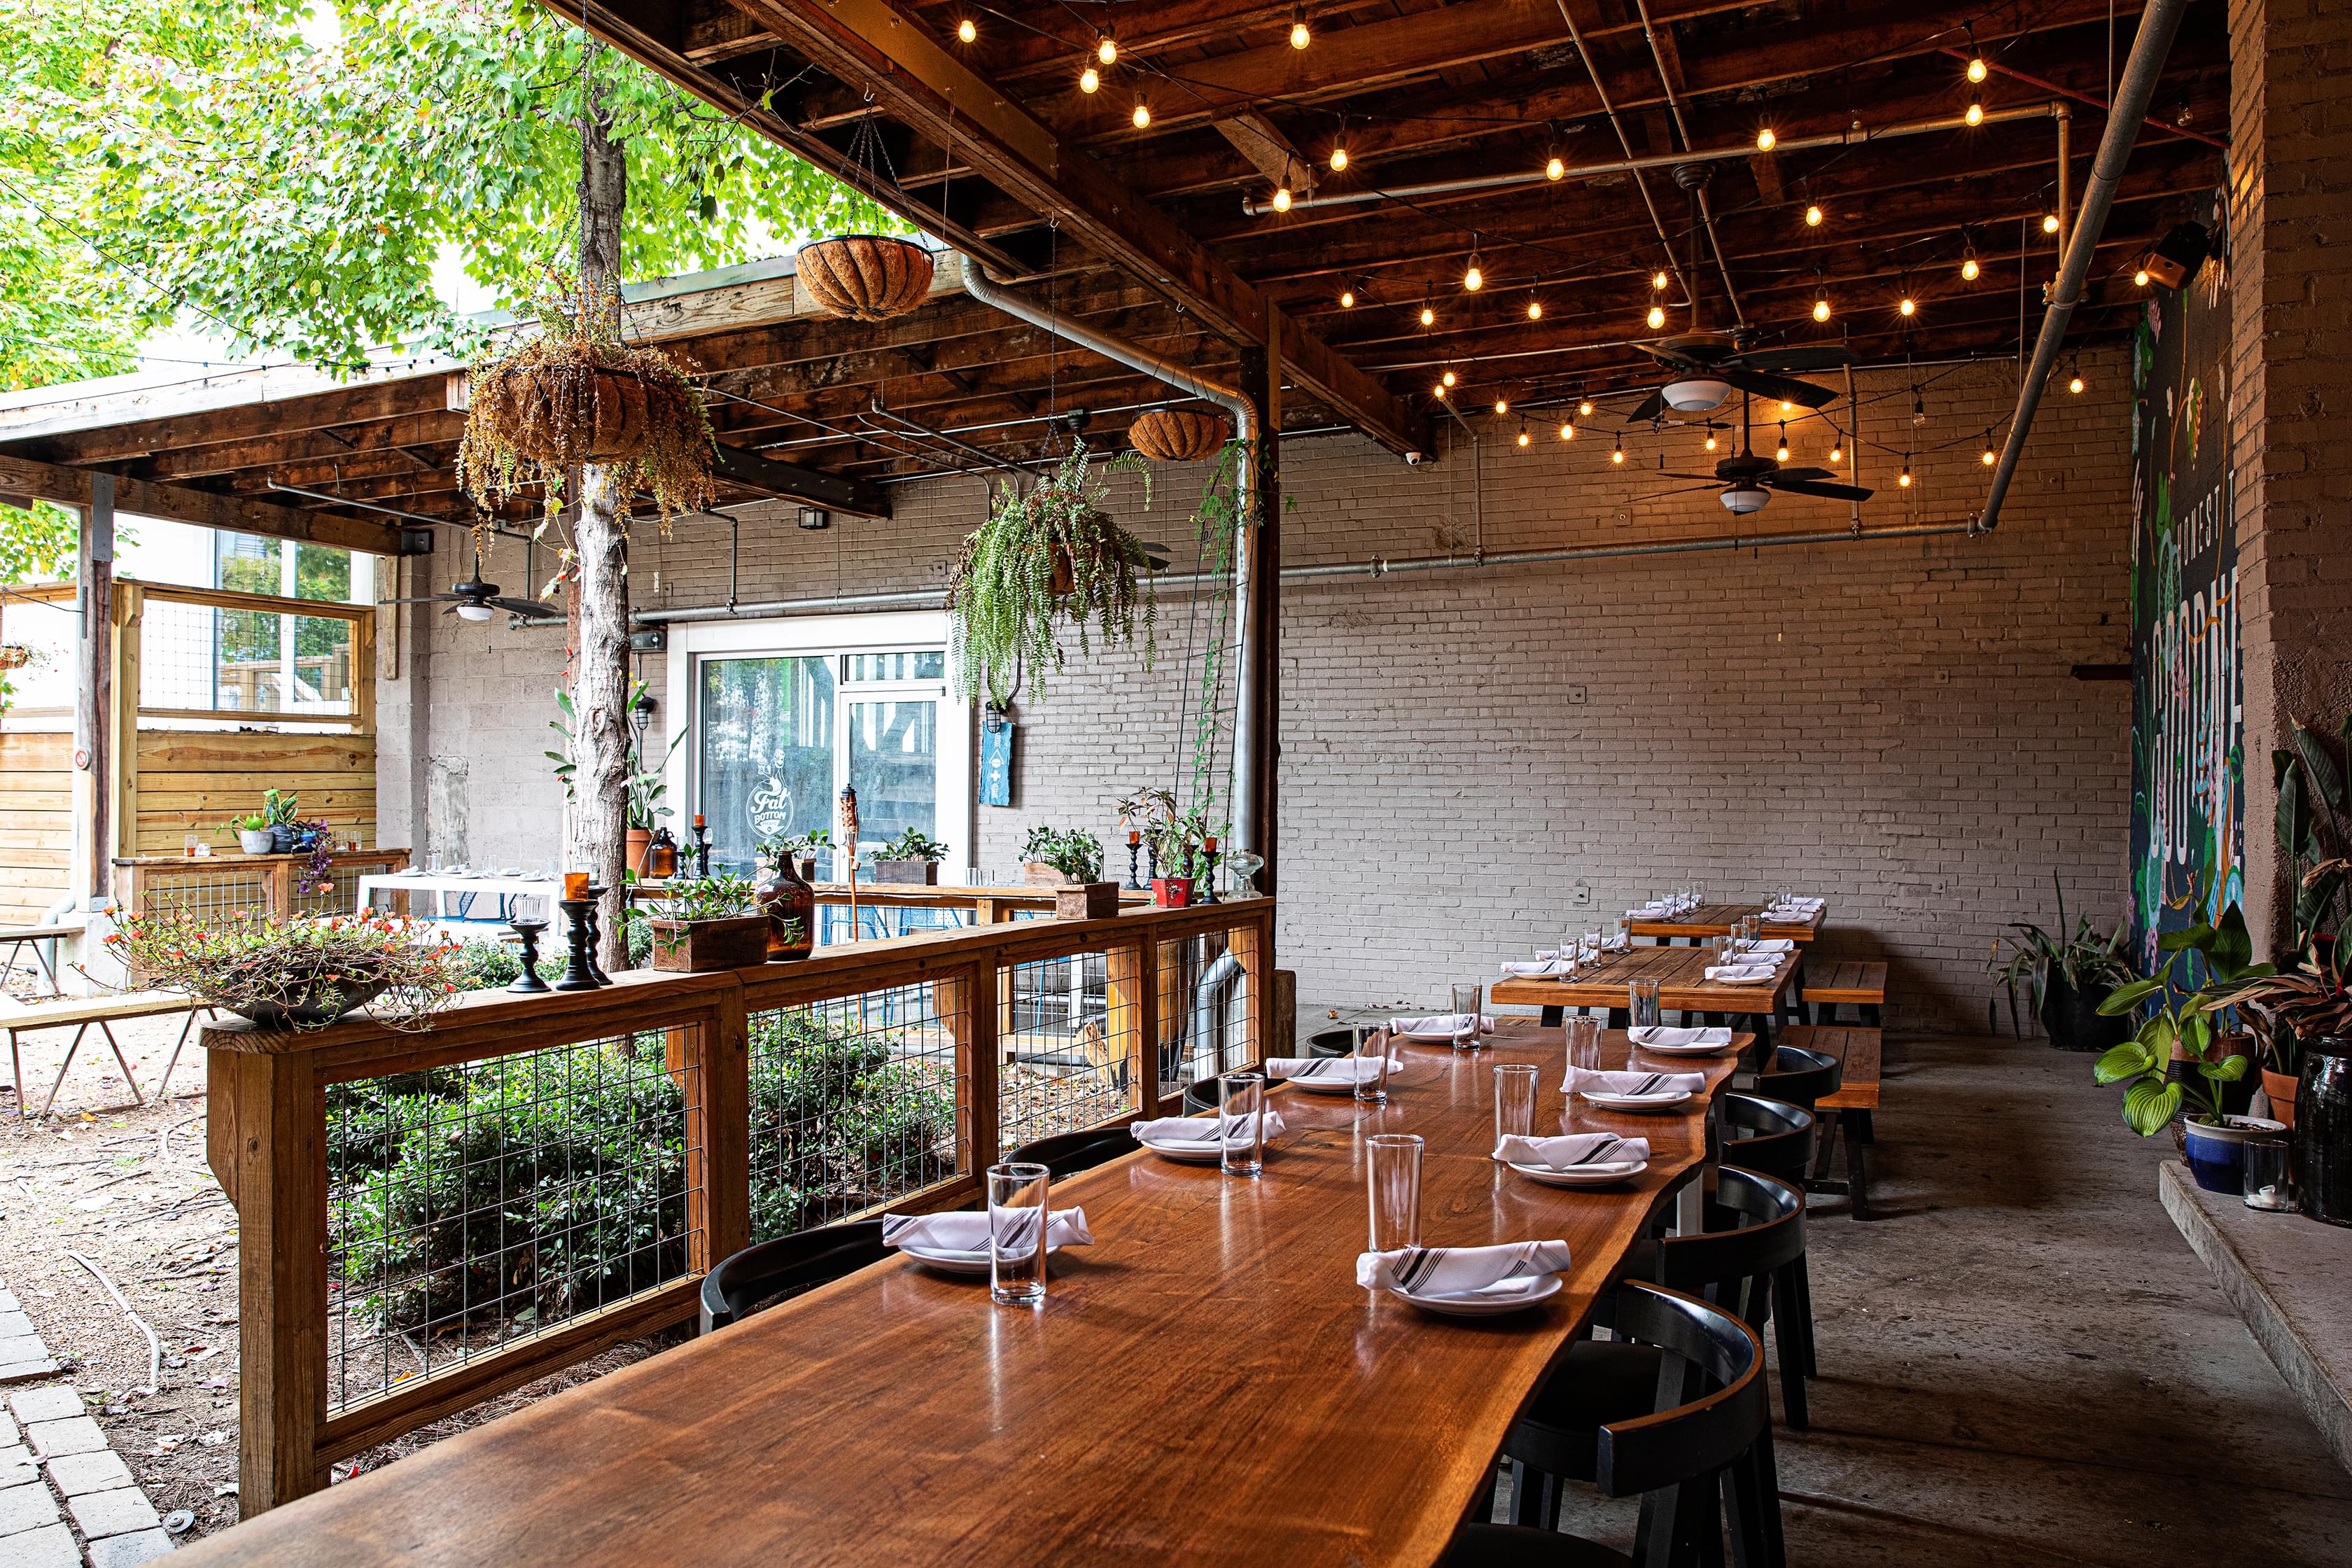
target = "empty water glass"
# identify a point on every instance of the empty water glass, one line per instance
(1372, 1067)
(1642, 1002)
(1240, 1123)
(1584, 1042)
(1016, 1233)
(1514, 1100)
(1467, 1000)
(1592, 945)
(2269, 1174)
(1393, 1162)
(1572, 952)
(1727, 948)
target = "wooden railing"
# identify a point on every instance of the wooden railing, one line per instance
(624, 1139)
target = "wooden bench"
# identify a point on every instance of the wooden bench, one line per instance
(1856, 1051)
(1849, 981)
(43, 941)
(79, 1014)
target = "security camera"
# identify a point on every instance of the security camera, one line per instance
(1416, 458)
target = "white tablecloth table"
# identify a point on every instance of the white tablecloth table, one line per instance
(447, 884)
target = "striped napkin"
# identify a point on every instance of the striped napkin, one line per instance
(1456, 1270)
(1742, 973)
(1538, 969)
(1770, 944)
(1662, 1035)
(1566, 1153)
(1592, 1080)
(1439, 1027)
(965, 1231)
(1202, 1132)
(1328, 1070)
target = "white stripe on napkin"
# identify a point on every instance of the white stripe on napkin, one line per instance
(1202, 1131)
(1540, 969)
(1742, 973)
(1567, 1152)
(963, 1230)
(1327, 1069)
(1452, 1270)
(1663, 1035)
(1591, 1079)
(1440, 1024)
(1770, 944)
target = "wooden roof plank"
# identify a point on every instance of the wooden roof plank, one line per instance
(180, 503)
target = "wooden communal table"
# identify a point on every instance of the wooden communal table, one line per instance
(1717, 920)
(1205, 1385)
(1681, 974)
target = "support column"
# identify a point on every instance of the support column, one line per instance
(2291, 383)
(93, 758)
(1258, 555)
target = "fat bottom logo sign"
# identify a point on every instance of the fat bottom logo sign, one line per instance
(771, 810)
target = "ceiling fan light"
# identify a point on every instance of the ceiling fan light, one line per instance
(475, 611)
(1743, 499)
(1695, 394)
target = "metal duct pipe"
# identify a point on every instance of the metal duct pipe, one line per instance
(1208, 1009)
(2158, 24)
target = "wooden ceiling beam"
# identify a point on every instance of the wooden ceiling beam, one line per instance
(366, 402)
(205, 508)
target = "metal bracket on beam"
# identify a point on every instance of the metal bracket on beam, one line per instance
(790, 481)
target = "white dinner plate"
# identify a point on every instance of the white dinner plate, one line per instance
(951, 1260)
(1637, 1102)
(1439, 1036)
(1691, 1050)
(1189, 1153)
(1600, 1175)
(1508, 1296)
(1328, 1085)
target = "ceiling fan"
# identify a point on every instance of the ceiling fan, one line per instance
(472, 599)
(1748, 483)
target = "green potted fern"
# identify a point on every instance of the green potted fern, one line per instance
(1047, 559)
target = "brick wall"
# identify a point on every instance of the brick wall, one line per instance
(1473, 758)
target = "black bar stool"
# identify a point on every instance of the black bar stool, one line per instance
(1799, 1076)
(1776, 1139)
(788, 1265)
(1067, 1154)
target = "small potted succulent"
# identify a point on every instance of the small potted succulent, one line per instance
(912, 857)
(253, 833)
(709, 923)
(1175, 839)
(296, 972)
(1069, 860)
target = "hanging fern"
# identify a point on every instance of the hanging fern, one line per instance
(1049, 556)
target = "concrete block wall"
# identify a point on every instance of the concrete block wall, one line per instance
(1475, 759)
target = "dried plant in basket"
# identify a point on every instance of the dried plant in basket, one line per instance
(574, 393)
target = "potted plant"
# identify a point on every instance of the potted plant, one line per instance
(1069, 860)
(295, 973)
(2308, 1011)
(803, 849)
(2315, 830)
(253, 833)
(1049, 555)
(647, 788)
(281, 811)
(709, 923)
(2069, 975)
(574, 393)
(1175, 839)
(912, 857)
(2178, 1057)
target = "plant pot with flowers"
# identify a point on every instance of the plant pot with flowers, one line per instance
(297, 972)
(1069, 860)
(2308, 1011)
(708, 923)
(1175, 839)
(912, 857)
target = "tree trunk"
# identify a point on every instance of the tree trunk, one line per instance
(596, 827)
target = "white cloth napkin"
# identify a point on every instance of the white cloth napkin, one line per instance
(1327, 1069)
(1536, 969)
(1452, 1270)
(1447, 1025)
(1742, 973)
(1650, 912)
(1565, 1154)
(1582, 1078)
(1770, 944)
(1663, 1035)
(963, 1230)
(1795, 910)
(1203, 1130)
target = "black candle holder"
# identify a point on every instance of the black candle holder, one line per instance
(701, 850)
(1208, 880)
(1132, 850)
(528, 928)
(579, 970)
(596, 933)
(1151, 864)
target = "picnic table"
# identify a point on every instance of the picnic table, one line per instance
(1710, 921)
(1683, 986)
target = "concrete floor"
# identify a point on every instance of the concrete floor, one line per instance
(2021, 1360)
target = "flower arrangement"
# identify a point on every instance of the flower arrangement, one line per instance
(300, 974)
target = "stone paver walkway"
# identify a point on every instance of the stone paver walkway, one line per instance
(66, 1496)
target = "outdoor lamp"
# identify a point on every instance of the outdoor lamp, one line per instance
(641, 715)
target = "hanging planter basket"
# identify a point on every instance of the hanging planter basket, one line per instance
(1178, 435)
(564, 414)
(14, 655)
(866, 276)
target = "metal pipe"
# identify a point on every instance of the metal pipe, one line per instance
(1706, 213)
(2158, 24)
(2091, 98)
(981, 453)
(1601, 89)
(1635, 165)
(2065, 124)
(1208, 1010)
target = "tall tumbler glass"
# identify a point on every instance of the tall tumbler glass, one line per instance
(1394, 1162)
(1514, 1100)
(1584, 1043)
(1467, 1001)
(1642, 1001)
(1372, 1067)
(1016, 1233)
(1240, 1122)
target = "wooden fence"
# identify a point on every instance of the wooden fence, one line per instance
(430, 1219)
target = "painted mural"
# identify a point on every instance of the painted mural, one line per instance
(2189, 828)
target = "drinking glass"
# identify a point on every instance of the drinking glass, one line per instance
(1572, 952)
(1241, 1095)
(1618, 935)
(1372, 1045)
(1514, 1100)
(1726, 949)
(2269, 1174)
(1016, 1233)
(1642, 1002)
(1593, 944)
(1394, 1162)
(1466, 1001)
(1584, 1043)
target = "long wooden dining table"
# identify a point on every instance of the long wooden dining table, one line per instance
(1717, 920)
(1683, 986)
(1206, 1383)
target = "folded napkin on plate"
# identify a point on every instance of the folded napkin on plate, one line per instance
(1205, 1131)
(1565, 1154)
(1326, 1069)
(1796, 910)
(1452, 1270)
(1769, 944)
(1536, 969)
(1742, 973)
(1448, 1025)
(1588, 1079)
(1662, 1035)
(964, 1231)
(1650, 912)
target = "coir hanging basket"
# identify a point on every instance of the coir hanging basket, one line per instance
(564, 414)
(866, 276)
(1178, 435)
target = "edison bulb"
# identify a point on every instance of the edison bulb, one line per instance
(1618, 456)
(1554, 169)
(1142, 115)
(1969, 268)
(1988, 457)
(1107, 49)
(1659, 281)
(1904, 479)
(965, 31)
(1710, 440)
(1502, 405)
(2050, 223)
(1474, 280)
(1523, 438)
(1978, 70)
(2074, 385)
(1535, 309)
(1657, 318)
(1909, 306)
(1438, 391)
(2140, 278)
(1974, 115)
(1584, 408)
(1567, 432)
(1820, 310)
(1299, 37)
(1347, 299)
(1339, 158)
(1448, 378)
(1282, 198)
(1428, 316)
(1813, 217)
(1836, 453)
(1787, 407)
(1780, 452)
(1766, 141)
(1089, 80)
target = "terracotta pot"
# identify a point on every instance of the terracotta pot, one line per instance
(2281, 1089)
(698, 947)
(638, 841)
(1172, 892)
(1178, 435)
(866, 276)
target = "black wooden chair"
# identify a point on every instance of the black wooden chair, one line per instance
(789, 1264)
(1776, 1139)
(1693, 1436)
(1067, 1154)
(1799, 1076)
(1332, 1043)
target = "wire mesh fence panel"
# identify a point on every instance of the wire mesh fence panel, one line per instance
(207, 892)
(1206, 1013)
(214, 658)
(1071, 1044)
(473, 1205)
(853, 1103)
(339, 896)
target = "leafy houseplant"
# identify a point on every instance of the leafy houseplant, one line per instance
(2068, 974)
(1050, 555)
(912, 857)
(296, 972)
(802, 848)
(1062, 854)
(253, 833)
(2315, 829)
(281, 811)
(707, 924)
(1175, 838)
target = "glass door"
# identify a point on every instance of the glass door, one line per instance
(767, 751)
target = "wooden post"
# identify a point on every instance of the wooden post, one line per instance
(93, 704)
(979, 1060)
(266, 1140)
(1133, 1018)
(719, 1136)
(123, 721)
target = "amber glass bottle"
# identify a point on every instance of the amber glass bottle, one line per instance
(790, 905)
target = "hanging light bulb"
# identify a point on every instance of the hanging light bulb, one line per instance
(2140, 279)
(1142, 116)
(1787, 408)
(2076, 383)
(1339, 157)
(1766, 141)
(965, 31)
(1107, 49)
(1904, 479)
(1584, 408)
(1837, 451)
(1657, 318)
(1448, 378)
(1428, 316)
(1553, 168)
(1821, 309)
(1438, 391)
(1658, 280)
(1975, 115)
(1535, 309)
(1909, 306)
(1299, 37)
(1282, 198)
(1347, 299)
(1523, 433)
(1710, 438)
(1969, 268)
(1089, 80)
(1619, 454)
(1472, 279)
(1813, 217)
(1781, 453)
(1989, 456)
(1978, 70)
(1567, 432)
(1502, 405)
(2050, 223)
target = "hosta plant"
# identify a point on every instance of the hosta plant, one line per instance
(2181, 1023)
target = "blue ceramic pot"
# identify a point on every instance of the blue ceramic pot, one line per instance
(2217, 1155)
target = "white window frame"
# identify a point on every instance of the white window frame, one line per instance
(786, 637)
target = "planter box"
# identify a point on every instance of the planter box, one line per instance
(1038, 874)
(697, 947)
(1087, 902)
(924, 872)
(1172, 892)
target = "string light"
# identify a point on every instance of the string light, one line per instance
(1142, 115)
(1502, 405)
(1448, 378)
(1282, 198)
(1657, 318)
(1821, 309)
(1299, 37)
(1781, 453)
(1989, 456)
(2140, 278)
(1339, 157)
(1837, 450)
(1978, 70)
(2074, 384)
(1554, 169)
(1567, 432)
(965, 31)
(1787, 408)
(1710, 438)
(1107, 49)
(1089, 80)
(1974, 115)
(1584, 408)
(1472, 279)
(1969, 268)
(1904, 479)
(1535, 309)
(1438, 391)
(1347, 299)
(1813, 217)
(1428, 316)
(1766, 141)
(1909, 306)
(1523, 432)
(1619, 454)
(2050, 223)
(1659, 281)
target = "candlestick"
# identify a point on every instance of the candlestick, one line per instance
(1131, 850)
(578, 972)
(701, 847)
(595, 901)
(528, 927)
(1207, 889)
